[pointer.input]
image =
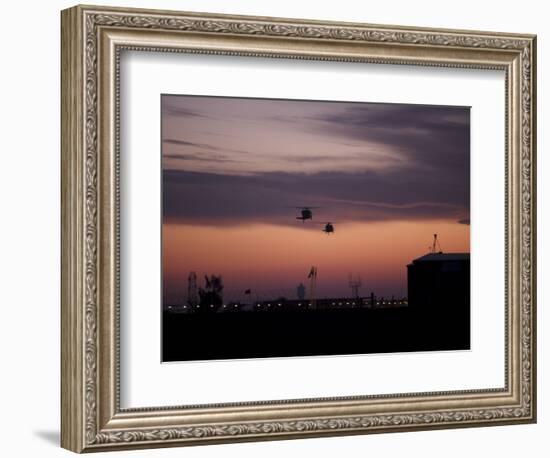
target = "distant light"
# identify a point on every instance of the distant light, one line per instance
(347, 303)
(334, 303)
(299, 304)
(211, 305)
(185, 306)
(224, 306)
(236, 305)
(339, 303)
(279, 305)
(269, 305)
(258, 305)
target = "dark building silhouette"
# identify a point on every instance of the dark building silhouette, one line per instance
(440, 282)
(301, 292)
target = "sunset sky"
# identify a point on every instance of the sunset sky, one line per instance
(388, 176)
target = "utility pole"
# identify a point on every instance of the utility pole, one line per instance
(436, 247)
(354, 285)
(192, 293)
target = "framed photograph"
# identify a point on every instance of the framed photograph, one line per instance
(242, 263)
(278, 228)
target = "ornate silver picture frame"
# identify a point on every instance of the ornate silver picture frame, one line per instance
(93, 39)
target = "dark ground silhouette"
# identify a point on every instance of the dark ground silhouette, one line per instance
(312, 332)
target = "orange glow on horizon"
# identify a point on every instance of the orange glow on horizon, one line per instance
(268, 257)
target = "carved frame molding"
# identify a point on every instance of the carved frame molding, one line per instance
(92, 39)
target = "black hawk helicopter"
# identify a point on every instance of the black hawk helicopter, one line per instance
(306, 213)
(329, 228)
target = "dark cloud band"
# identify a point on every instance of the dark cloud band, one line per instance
(202, 198)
